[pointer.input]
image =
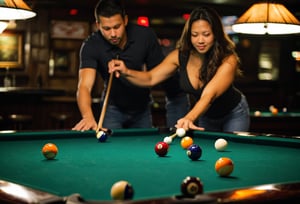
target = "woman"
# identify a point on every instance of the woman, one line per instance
(208, 64)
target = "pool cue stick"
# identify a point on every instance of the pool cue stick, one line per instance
(104, 106)
(173, 135)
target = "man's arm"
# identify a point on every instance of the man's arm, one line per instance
(86, 81)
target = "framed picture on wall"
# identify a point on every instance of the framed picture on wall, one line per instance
(69, 29)
(62, 62)
(11, 50)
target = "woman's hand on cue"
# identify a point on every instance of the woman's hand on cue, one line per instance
(187, 125)
(118, 67)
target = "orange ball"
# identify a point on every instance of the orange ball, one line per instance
(186, 142)
(224, 166)
(50, 150)
(274, 111)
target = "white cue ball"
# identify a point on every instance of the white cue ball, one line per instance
(221, 144)
(168, 140)
(257, 113)
(180, 132)
(99, 134)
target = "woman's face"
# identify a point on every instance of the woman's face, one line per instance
(202, 37)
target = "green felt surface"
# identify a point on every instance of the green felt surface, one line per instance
(279, 114)
(90, 168)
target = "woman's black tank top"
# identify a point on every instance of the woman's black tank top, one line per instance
(221, 105)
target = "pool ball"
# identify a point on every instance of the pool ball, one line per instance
(224, 166)
(274, 111)
(161, 149)
(121, 190)
(271, 107)
(191, 186)
(221, 144)
(168, 140)
(257, 113)
(194, 152)
(102, 136)
(49, 151)
(180, 132)
(186, 142)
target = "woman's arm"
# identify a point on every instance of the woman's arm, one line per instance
(222, 80)
(146, 78)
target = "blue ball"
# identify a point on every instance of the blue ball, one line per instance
(194, 152)
(102, 136)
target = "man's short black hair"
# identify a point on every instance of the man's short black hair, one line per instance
(108, 8)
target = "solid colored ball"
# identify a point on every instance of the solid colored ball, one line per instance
(121, 190)
(257, 113)
(180, 132)
(186, 142)
(161, 149)
(274, 111)
(102, 136)
(168, 140)
(221, 144)
(191, 186)
(50, 150)
(194, 152)
(224, 166)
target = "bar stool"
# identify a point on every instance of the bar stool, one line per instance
(20, 121)
(60, 119)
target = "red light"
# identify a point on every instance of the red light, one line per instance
(143, 21)
(73, 12)
(186, 16)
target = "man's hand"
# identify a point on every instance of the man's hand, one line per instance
(86, 124)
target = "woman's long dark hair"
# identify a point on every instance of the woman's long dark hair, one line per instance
(222, 48)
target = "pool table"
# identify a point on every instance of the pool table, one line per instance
(285, 123)
(86, 168)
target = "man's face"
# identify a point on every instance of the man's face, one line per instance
(113, 29)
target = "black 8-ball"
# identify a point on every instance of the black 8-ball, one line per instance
(191, 186)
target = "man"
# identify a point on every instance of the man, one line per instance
(128, 105)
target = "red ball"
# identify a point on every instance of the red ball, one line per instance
(161, 149)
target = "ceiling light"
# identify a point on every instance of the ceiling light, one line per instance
(15, 10)
(267, 18)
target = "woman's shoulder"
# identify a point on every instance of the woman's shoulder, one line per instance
(231, 59)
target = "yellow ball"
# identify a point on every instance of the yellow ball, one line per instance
(186, 142)
(121, 190)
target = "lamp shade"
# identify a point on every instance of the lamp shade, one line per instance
(15, 10)
(267, 18)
